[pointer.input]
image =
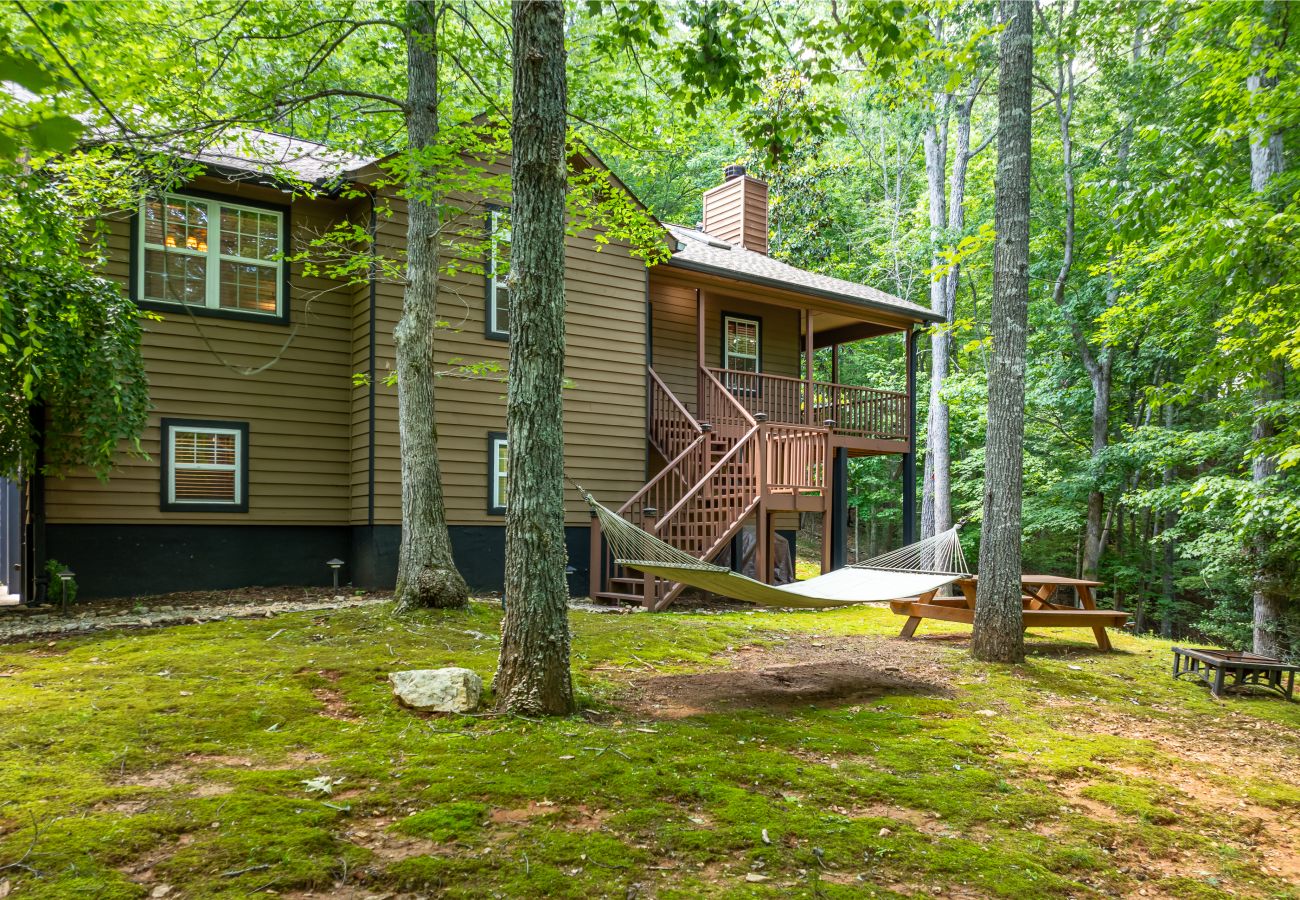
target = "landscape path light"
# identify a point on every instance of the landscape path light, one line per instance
(335, 565)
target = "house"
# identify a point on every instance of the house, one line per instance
(693, 405)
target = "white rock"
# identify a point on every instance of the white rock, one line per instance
(438, 690)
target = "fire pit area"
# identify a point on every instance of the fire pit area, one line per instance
(1246, 669)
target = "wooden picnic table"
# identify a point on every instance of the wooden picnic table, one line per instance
(1040, 607)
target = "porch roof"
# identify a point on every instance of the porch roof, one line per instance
(702, 252)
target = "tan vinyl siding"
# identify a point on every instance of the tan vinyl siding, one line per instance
(297, 410)
(604, 408)
(309, 424)
(675, 348)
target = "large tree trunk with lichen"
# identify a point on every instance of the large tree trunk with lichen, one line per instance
(533, 676)
(426, 573)
(999, 628)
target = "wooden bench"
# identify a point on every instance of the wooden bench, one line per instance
(1039, 610)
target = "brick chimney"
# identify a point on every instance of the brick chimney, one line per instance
(736, 210)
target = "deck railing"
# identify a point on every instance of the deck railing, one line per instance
(855, 411)
(754, 435)
(672, 427)
(796, 459)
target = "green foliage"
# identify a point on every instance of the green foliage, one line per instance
(57, 585)
(69, 338)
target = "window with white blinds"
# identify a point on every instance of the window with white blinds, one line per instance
(205, 466)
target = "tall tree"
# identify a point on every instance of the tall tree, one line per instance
(1269, 594)
(533, 676)
(947, 209)
(999, 629)
(426, 573)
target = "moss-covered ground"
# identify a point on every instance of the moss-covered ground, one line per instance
(193, 762)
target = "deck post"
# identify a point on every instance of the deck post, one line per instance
(699, 352)
(808, 366)
(595, 576)
(909, 458)
(828, 528)
(837, 507)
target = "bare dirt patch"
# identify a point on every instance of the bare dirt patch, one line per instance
(335, 705)
(373, 835)
(816, 670)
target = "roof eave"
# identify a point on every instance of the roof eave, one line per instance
(917, 315)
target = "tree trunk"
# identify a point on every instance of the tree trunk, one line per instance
(999, 628)
(1269, 598)
(533, 676)
(1167, 546)
(426, 572)
(1094, 539)
(935, 490)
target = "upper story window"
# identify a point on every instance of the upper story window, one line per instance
(740, 343)
(205, 466)
(212, 255)
(497, 310)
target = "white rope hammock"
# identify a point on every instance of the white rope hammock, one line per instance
(912, 570)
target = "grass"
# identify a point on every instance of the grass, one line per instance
(178, 758)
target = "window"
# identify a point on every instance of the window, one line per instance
(212, 256)
(497, 311)
(498, 472)
(205, 466)
(741, 343)
(740, 347)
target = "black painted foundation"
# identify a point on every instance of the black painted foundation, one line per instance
(131, 560)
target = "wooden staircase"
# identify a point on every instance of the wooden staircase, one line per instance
(719, 470)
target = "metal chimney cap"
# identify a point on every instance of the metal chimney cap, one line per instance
(734, 171)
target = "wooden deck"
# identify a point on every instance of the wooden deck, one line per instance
(1039, 609)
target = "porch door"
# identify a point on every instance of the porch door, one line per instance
(11, 543)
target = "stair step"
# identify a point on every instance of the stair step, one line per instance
(615, 595)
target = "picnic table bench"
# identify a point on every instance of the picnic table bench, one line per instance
(1212, 666)
(1038, 594)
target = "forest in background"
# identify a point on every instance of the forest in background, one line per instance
(1180, 290)
(1164, 317)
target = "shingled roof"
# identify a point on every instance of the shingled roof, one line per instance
(267, 153)
(700, 252)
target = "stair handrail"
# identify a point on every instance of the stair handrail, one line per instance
(664, 473)
(681, 407)
(708, 476)
(736, 405)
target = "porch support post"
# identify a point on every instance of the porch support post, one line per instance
(835, 363)
(699, 353)
(909, 458)
(808, 365)
(596, 560)
(838, 507)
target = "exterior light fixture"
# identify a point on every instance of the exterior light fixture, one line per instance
(335, 565)
(65, 575)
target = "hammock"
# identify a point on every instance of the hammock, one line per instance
(912, 570)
